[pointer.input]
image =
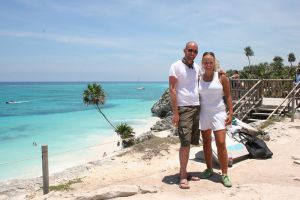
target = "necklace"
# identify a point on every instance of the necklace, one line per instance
(208, 78)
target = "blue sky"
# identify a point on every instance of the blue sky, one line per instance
(130, 40)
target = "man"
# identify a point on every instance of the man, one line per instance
(183, 87)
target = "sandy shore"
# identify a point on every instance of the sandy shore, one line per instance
(276, 178)
(105, 146)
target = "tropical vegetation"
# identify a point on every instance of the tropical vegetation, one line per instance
(126, 133)
(95, 95)
(248, 52)
(273, 70)
(291, 58)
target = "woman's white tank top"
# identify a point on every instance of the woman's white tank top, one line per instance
(211, 94)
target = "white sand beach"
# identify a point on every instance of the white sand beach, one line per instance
(275, 178)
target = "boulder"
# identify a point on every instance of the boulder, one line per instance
(164, 124)
(162, 107)
(110, 192)
(116, 191)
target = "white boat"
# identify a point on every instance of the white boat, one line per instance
(140, 88)
(11, 102)
(14, 102)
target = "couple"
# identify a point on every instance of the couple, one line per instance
(186, 81)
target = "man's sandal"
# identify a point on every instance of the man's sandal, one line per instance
(184, 184)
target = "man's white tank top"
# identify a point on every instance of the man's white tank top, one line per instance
(211, 94)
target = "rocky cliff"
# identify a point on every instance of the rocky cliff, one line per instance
(162, 108)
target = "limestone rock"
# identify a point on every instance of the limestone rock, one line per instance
(164, 124)
(162, 107)
(145, 136)
(147, 189)
(110, 192)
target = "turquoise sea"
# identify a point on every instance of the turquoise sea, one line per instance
(54, 114)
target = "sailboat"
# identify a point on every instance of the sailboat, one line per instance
(140, 87)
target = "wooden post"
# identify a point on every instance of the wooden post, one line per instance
(45, 169)
(293, 108)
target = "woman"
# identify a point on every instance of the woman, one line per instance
(212, 87)
(235, 84)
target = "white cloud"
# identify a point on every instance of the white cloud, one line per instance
(141, 32)
(94, 41)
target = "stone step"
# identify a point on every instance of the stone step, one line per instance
(272, 101)
(249, 120)
(268, 106)
(260, 114)
(264, 110)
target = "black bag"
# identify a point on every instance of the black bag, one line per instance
(256, 147)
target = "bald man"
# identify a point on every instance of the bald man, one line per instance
(183, 87)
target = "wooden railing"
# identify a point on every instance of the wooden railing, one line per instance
(277, 88)
(248, 93)
(292, 96)
(239, 87)
(273, 88)
(251, 99)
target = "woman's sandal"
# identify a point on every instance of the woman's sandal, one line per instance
(193, 178)
(184, 184)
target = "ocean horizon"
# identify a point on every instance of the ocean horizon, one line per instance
(53, 114)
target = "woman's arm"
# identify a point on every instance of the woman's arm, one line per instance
(227, 94)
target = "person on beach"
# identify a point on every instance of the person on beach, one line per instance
(235, 75)
(212, 87)
(297, 80)
(297, 76)
(235, 86)
(183, 88)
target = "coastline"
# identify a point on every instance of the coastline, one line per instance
(73, 159)
(252, 178)
(108, 147)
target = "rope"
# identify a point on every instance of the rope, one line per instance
(87, 147)
(55, 154)
(16, 161)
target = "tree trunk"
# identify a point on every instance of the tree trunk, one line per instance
(105, 117)
(248, 60)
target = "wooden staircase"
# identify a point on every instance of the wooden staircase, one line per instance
(260, 102)
(261, 113)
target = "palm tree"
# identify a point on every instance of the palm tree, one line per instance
(248, 52)
(278, 60)
(291, 58)
(94, 95)
(277, 67)
(126, 133)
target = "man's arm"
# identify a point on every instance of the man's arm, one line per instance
(221, 71)
(173, 96)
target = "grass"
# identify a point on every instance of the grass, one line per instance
(153, 147)
(65, 186)
(272, 120)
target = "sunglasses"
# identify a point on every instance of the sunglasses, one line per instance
(209, 53)
(192, 51)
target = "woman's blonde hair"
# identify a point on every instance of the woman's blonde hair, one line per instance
(217, 63)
